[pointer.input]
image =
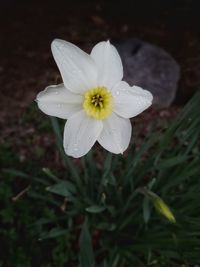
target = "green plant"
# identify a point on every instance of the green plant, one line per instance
(99, 213)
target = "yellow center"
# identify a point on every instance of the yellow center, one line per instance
(98, 103)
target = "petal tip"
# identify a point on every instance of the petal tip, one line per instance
(150, 95)
(56, 43)
(73, 153)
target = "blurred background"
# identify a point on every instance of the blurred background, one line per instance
(27, 28)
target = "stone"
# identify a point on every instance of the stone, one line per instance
(150, 67)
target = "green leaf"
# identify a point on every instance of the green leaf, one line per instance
(64, 188)
(86, 255)
(53, 233)
(95, 209)
(23, 175)
(171, 162)
(107, 164)
(50, 174)
(146, 210)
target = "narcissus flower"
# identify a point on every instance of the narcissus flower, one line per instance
(93, 98)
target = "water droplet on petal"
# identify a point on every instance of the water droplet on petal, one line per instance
(117, 93)
(75, 146)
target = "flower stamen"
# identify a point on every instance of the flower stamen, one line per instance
(98, 102)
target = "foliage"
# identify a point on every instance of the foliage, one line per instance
(99, 214)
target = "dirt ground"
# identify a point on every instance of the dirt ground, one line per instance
(28, 27)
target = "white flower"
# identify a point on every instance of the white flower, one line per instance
(93, 98)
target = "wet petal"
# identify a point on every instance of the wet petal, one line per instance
(80, 134)
(57, 101)
(130, 101)
(77, 68)
(109, 65)
(116, 134)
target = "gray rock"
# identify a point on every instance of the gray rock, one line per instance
(150, 67)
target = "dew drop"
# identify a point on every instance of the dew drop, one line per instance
(117, 93)
(75, 146)
(59, 105)
(56, 92)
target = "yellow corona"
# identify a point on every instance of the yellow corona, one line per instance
(98, 103)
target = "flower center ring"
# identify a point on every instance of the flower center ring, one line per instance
(98, 102)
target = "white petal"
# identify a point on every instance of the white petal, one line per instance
(108, 61)
(57, 101)
(116, 134)
(80, 134)
(77, 68)
(130, 101)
